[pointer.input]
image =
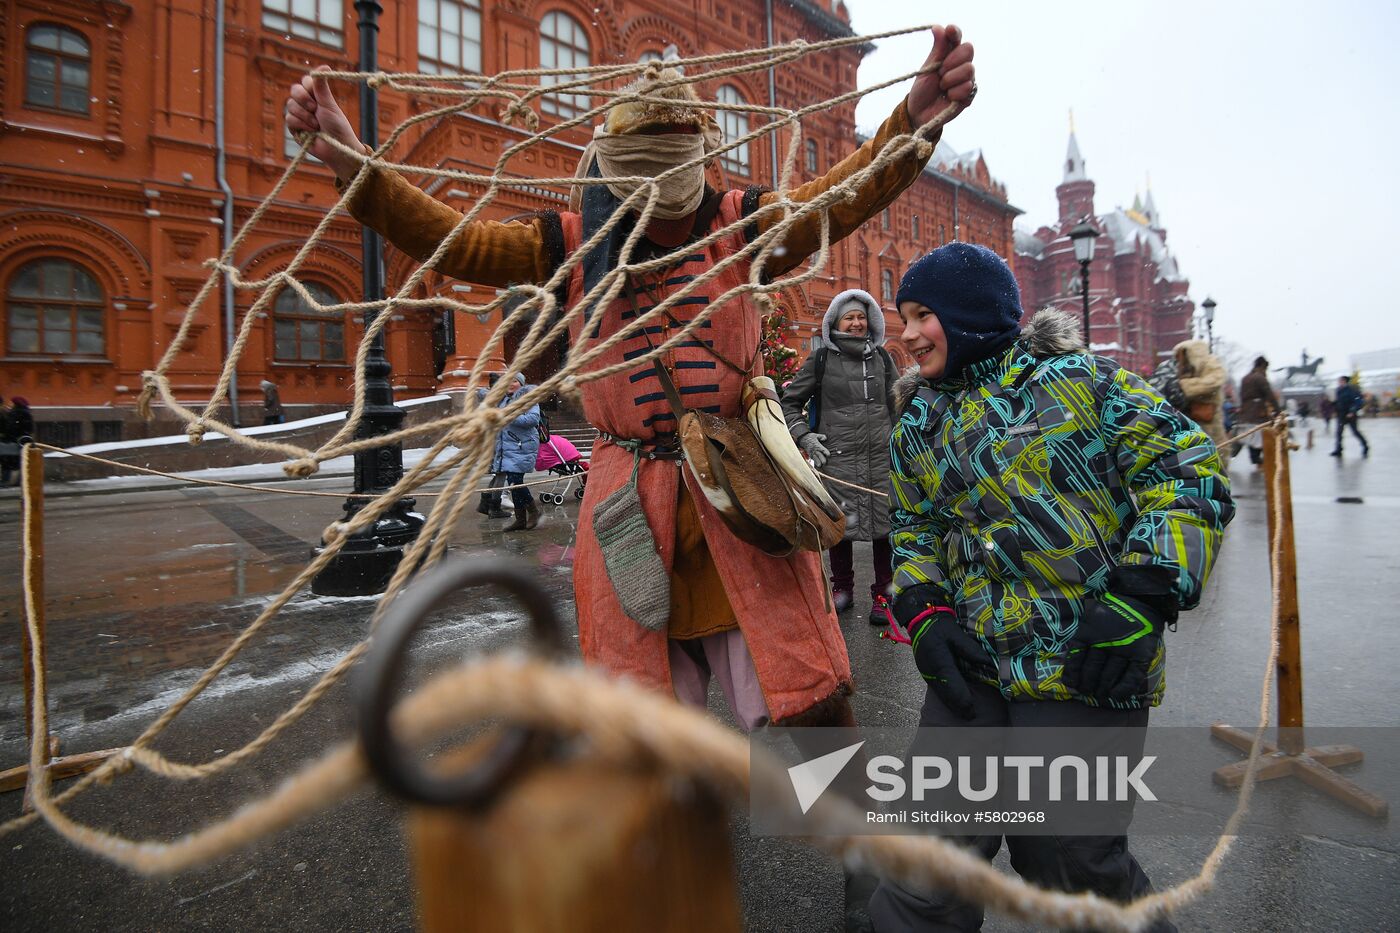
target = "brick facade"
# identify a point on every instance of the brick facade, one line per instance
(122, 193)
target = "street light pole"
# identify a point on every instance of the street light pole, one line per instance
(1208, 306)
(1083, 237)
(368, 559)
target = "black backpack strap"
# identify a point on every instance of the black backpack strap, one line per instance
(814, 404)
(891, 371)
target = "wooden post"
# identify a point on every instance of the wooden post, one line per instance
(1290, 649)
(1290, 756)
(32, 483)
(578, 845)
(32, 573)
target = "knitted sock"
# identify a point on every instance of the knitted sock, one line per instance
(638, 577)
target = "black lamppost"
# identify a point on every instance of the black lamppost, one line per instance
(367, 561)
(1208, 306)
(1083, 237)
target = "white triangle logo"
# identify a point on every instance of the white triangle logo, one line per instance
(811, 778)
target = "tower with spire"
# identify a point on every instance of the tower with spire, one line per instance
(1076, 190)
(1139, 302)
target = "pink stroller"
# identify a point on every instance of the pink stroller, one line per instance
(561, 458)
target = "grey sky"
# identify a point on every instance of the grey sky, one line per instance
(1269, 132)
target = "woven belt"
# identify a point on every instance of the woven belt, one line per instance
(663, 447)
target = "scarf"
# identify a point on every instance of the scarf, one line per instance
(647, 156)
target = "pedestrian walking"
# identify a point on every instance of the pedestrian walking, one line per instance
(1039, 603)
(1326, 408)
(516, 448)
(1201, 376)
(1258, 405)
(272, 403)
(840, 409)
(1349, 405)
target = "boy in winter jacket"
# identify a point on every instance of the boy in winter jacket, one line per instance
(1050, 514)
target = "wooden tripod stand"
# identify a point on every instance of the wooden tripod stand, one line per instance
(1290, 755)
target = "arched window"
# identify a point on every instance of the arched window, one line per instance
(811, 155)
(735, 125)
(56, 69)
(303, 333)
(449, 36)
(887, 285)
(55, 306)
(650, 55)
(563, 44)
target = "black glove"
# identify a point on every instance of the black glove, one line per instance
(939, 641)
(1112, 650)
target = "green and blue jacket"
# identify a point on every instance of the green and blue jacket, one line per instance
(1031, 482)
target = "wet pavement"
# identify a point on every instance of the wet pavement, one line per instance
(145, 588)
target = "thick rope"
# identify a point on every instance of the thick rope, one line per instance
(627, 724)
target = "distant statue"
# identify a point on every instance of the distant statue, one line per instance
(1308, 371)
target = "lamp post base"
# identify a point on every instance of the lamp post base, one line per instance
(368, 560)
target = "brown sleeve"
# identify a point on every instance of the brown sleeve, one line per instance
(486, 252)
(872, 197)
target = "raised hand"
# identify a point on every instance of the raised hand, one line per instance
(312, 108)
(955, 82)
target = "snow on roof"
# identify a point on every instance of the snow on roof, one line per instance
(1074, 162)
(1028, 244)
(1127, 233)
(945, 156)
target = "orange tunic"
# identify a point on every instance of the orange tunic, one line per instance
(780, 604)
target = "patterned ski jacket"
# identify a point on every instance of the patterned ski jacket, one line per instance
(1020, 488)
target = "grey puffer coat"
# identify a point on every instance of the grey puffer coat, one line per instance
(857, 415)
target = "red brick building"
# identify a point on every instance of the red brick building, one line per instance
(1138, 303)
(111, 195)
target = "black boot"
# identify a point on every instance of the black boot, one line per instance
(532, 516)
(520, 522)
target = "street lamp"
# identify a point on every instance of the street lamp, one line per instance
(368, 559)
(1208, 306)
(1083, 237)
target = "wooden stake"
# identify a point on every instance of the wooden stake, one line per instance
(1291, 756)
(32, 482)
(582, 846)
(1290, 649)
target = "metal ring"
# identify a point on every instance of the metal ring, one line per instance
(382, 670)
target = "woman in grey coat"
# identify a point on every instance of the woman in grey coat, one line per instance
(849, 379)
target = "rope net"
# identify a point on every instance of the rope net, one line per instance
(460, 449)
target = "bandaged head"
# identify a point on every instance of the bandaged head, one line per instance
(644, 138)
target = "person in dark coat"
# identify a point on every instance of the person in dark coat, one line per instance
(18, 424)
(516, 448)
(272, 404)
(1349, 405)
(1258, 405)
(847, 383)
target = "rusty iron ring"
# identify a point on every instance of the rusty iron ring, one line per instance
(383, 667)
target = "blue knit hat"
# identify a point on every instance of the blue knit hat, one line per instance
(973, 293)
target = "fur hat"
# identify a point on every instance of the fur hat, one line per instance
(975, 296)
(688, 111)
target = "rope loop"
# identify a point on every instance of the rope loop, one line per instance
(195, 432)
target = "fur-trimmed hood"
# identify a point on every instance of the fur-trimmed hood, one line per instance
(874, 317)
(1049, 333)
